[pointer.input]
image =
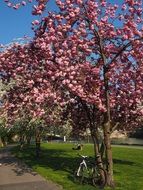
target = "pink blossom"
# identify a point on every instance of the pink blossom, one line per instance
(35, 22)
(23, 3)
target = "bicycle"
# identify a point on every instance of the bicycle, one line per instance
(94, 173)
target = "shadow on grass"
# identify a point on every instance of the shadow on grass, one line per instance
(125, 162)
(56, 159)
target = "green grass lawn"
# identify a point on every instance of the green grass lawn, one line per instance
(58, 161)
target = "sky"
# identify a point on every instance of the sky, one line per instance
(15, 23)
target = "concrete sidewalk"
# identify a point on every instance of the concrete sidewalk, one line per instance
(15, 175)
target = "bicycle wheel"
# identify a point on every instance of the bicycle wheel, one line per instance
(99, 177)
(79, 176)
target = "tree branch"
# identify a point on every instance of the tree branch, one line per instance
(122, 49)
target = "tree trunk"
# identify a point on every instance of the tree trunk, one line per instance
(38, 148)
(28, 140)
(98, 157)
(96, 149)
(107, 131)
(102, 149)
(21, 140)
(109, 159)
(38, 143)
(4, 142)
(1, 144)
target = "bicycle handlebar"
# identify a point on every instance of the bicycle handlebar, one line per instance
(82, 156)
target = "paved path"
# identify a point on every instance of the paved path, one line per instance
(15, 175)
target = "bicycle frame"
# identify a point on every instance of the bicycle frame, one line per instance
(82, 164)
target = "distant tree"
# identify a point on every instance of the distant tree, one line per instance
(138, 133)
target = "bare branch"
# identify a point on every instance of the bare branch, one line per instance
(123, 49)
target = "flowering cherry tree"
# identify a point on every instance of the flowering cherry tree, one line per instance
(91, 50)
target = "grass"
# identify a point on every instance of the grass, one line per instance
(58, 161)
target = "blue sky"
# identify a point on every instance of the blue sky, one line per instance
(15, 23)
